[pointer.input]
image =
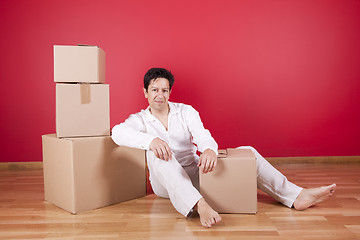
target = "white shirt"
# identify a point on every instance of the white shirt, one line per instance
(184, 130)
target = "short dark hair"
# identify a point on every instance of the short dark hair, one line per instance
(155, 73)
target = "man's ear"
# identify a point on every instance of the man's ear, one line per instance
(145, 93)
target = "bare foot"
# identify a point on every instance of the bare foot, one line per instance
(312, 196)
(208, 216)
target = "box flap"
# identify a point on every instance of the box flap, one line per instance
(239, 153)
(86, 45)
(222, 153)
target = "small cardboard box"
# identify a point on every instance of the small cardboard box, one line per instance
(81, 63)
(82, 110)
(82, 174)
(232, 186)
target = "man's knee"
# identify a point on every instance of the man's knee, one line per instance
(248, 147)
(159, 190)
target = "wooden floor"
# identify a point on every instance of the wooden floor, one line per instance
(25, 215)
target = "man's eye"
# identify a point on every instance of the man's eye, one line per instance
(154, 90)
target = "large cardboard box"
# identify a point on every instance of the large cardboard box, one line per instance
(82, 110)
(82, 174)
(232, 186)
(79, 64)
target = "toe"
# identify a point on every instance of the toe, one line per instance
(204, 224)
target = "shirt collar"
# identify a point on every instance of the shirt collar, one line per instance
(148, 115)
(173, 110)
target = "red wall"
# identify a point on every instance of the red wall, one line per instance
(282, 76)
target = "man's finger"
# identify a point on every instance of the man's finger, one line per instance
(212, 166)
(213, 163)
(163, 153)
(157, 153)
(167, 151)
(206, 165)
(208, 169)
(201, 163)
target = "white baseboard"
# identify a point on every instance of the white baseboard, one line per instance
(272, 160)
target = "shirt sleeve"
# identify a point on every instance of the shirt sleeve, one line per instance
(201, 136)
(131, 133)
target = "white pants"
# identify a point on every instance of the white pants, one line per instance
(181, 184)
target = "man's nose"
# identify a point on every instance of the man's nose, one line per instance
(160, 94)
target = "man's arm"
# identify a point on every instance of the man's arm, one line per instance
(161, 149)
(207, 161)
(204, 141)
(131, 133)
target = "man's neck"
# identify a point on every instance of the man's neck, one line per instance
(160, 113)
(162, 116)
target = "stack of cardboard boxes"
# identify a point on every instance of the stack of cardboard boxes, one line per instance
(83, 168)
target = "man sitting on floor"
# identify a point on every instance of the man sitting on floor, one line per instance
(169, 132)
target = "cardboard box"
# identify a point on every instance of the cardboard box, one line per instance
(232, 186)
(82, 110)
(79, 64)
(82, 174)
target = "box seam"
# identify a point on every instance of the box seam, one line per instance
(73, 190)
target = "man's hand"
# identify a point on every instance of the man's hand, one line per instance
(161, 149)
(208, 160)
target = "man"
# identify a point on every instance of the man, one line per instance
(169, 132)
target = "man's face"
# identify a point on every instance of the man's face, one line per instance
(158, 94)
